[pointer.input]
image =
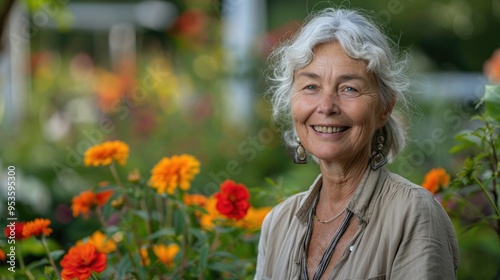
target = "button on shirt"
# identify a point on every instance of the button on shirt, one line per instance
(403, 233)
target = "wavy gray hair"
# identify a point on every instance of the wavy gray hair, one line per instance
(361, 39)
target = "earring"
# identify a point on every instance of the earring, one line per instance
(300, 154)
(378, 158)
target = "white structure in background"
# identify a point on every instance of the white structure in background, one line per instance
(243, 22)
(14, 61)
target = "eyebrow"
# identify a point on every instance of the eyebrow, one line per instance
(341, 78)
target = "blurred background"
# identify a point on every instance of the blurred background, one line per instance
(173, 77)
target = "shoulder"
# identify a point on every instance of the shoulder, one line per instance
(401, 188)
(409, 200)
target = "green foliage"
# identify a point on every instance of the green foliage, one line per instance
(473, 197)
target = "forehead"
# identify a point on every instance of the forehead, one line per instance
(331, 56)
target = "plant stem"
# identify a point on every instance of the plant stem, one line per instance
(472, 207)
(23, 267)
(168, 213)
(49, 256)
(100, 217)
(112, 167)
(487, 195)
(185, 243)
(494, 170)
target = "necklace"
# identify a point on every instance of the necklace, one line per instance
(331, 220)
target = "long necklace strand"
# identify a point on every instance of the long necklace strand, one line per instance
(327, 255)
(331, 220)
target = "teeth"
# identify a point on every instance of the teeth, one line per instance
(328, 129)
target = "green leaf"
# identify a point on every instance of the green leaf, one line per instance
(200, 235)
(492, 102)
(222, 267)
(140, 213)
(123, 268)
(56, 254)
(202, 264)
(36, 264)
(466, 139)
(179, 222)
(161, 233)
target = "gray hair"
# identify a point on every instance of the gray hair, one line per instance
(361, 39)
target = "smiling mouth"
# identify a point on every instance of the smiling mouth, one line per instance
(329, 129)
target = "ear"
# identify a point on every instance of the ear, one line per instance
(386, 113)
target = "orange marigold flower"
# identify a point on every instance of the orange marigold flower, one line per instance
(107, 152)
(435, 179)
(2, 255)
(145, 261)
(194, 199)
(37, 227)
(85, 201)
(254, 218)
(491, 67)
(208, 220)
(166, 254)
(101, 242)
(232, 200)
(15, 231)
(81, 260)
(177, 171)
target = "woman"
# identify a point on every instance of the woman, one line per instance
(337, 82)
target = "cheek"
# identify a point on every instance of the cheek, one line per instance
(299, 109)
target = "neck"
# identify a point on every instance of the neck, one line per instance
(341, 180)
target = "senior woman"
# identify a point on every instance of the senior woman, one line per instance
(337, 82)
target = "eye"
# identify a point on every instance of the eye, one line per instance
(311, 88)
(349, 91)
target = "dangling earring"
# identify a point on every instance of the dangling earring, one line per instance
(300, 154)
(378, 158)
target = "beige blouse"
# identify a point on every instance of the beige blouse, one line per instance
(404, 233)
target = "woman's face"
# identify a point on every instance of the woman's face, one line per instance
(336, 106)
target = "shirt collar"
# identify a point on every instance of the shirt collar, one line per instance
(360, 204)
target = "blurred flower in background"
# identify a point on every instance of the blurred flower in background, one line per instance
(436, 179)
(491, 67)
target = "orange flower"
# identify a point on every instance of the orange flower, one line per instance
(208, 221)
(166, 254)
(81, 260)
(435, 179)
(491, 67)
(254, 218)
(101, 242)
(107, 152)
(145, 261)
(37, 227)
(194, 199)
(2, 255)
(85, 201)
(177, 171)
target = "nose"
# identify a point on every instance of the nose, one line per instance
(328, 103)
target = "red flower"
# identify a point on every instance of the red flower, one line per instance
(81, 260)
(16, 231)
(232, 200)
